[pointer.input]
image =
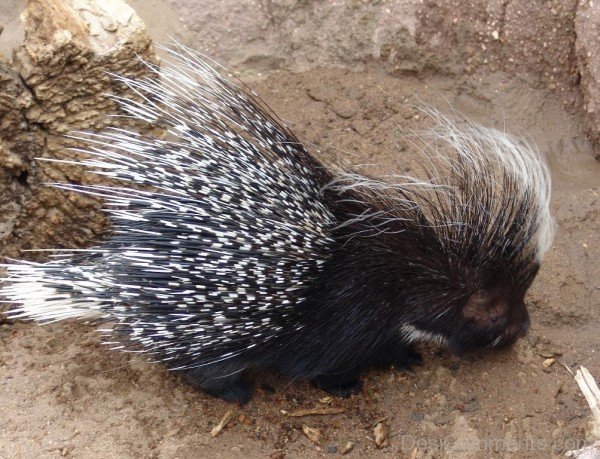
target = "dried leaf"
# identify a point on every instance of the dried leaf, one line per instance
(348, 448)
(381, 435)
(318, 410)
(313, 435)
(221, 425)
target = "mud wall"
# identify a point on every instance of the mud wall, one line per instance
(550, 44)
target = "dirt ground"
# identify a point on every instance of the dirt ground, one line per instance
(63, 394)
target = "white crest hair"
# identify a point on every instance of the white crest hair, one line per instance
(475, 183)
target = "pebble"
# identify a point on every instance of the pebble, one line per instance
(471, 406)
(544, 353)
(441, 420)
(418, 416)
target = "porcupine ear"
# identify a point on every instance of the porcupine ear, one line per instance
(482, 309)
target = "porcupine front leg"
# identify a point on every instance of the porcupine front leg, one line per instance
(231, 388)
(389, 351)
(405, 358)
(341, 385)
(402, 355)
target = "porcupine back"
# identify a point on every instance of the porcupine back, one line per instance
(213, 246)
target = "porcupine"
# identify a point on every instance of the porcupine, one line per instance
(237, 250)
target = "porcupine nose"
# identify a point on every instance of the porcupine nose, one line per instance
(524, 328)
(517, 330)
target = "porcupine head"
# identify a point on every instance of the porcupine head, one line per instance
(236, 248)
(452, 254)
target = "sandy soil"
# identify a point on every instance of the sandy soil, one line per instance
(63, 394)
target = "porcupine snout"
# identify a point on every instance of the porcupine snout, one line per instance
(499, 319)
(519, 327)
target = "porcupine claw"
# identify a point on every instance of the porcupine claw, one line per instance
(343, 389)
(406, 360)
(232, 389)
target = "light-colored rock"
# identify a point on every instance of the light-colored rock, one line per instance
(588, 57)
(57, 83)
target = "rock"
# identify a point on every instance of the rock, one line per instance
(587, 46)
(442, 420)
(344, 109)
(19, 144)
(418, 416)
(56, 84)
(471, 406)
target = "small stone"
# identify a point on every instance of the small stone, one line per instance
(347, 448)
(495, 35)
(441, 420)
(332, 449)
(243, 419)
(344, 109)
(471, 406)
(545, 353)
(533, 339)
(418, 416)
(548, 362)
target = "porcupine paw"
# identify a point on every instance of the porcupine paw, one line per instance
(407, 359)
(339, 388)
(238, 392)
(232, 389)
